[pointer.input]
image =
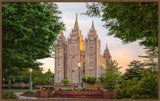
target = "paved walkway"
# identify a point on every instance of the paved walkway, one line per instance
(26, 97)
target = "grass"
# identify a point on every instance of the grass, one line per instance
(67, 88)
(21, 89)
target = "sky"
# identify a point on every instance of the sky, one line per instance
(122, 53)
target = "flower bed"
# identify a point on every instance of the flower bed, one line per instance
(79, 94)
(75, 94)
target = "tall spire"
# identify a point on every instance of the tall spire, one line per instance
(76, 26)
(92, 28)
(106, 47)
(62, 33)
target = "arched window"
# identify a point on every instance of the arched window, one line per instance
(59, 53)
(84, 68)
(91, 73)
(73, 49)
(59, 74)
(59, 80)
(91, 64)
(73, 75)
(59, 60)
(59, 66)
(73, 62)
(91, 57)
(91, 49)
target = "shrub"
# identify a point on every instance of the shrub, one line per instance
(68, 89)
(65, 81)
(83, 89)
(45, 89)
(91, 89)
(60, 89)
(51, 89)
(30, 92)
(90, 80)
(99, 88)
(9, 95)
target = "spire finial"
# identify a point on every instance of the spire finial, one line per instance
(62, 33)
(92, 28)
(76, 16)
(106, 46)
(76, 26)
(92, 22)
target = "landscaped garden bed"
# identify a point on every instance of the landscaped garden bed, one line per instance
(9, 95)
(69, 92)
(29, 93)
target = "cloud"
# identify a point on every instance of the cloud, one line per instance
(123, 53)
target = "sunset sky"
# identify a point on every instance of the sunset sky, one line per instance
(122, 53)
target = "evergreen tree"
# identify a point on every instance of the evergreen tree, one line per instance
(145, 88)
(151, 58)
(135, 70)
(112, 77)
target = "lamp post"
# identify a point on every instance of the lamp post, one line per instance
(79, 67)
(86, 81)
(13, 83)
(30, 88)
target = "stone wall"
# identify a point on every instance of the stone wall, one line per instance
(75, 94)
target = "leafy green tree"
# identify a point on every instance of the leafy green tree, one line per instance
(151, 58)
(129, 21)
(29, 32)
(37, 77)
(135, 70)
(24, 76)
(90, 80)
(101, 79)
(49, 77)
(146, 88)
(112, 77)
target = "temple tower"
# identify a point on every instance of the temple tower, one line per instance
(75, 46)
(60, 59)
(107, 56)
(92, 52)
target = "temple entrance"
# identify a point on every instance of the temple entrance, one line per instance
(73, 75)
(84, 68)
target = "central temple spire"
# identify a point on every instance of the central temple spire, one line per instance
(92, 28)
(62, 33)
(76, 25)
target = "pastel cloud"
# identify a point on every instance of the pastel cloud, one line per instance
(122, 53)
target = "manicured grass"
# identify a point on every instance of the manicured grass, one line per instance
(21, 89)
(67, 88)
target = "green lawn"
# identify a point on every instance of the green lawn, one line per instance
(21, 90)
(67, 88)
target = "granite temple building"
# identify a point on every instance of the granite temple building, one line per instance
(70, 51)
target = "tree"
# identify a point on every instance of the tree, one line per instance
(89, 80)
(112, 77)
(146, 88)
(49, 77)
(129, 21)
(38, 77)
(29, 32)
(135, 70)
(151, 58)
